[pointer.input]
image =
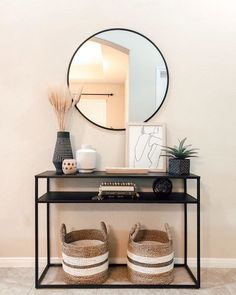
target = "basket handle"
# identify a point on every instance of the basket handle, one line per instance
(63, 232)
(134, 231)
(167, 227)
(104, 229)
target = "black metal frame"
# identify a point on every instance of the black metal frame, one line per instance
(176, 198)
(135, 32)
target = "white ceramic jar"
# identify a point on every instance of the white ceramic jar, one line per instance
(86, 159)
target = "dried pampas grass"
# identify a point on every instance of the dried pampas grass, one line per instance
(62, 101)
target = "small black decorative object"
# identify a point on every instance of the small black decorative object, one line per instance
(162, 186)
(62, 150)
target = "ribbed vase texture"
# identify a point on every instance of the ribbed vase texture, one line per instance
(62, 150)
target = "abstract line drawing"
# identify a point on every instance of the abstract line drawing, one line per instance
(144, 146)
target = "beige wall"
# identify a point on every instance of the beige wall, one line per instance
(198, 41)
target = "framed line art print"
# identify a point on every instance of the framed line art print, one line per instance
(144, 144)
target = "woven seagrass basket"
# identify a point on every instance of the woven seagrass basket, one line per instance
(85, 255)
(150, 256)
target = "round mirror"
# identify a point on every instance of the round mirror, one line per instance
(123, 76)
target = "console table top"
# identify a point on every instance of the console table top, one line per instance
(104, 174)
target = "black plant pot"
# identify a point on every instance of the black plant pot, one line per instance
(62, 150)
(179, 166)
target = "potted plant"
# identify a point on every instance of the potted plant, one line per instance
(62, 101)
(179, 162)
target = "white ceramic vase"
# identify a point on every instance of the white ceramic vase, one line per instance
(86, 159)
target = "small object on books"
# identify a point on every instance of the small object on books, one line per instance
(126, 170)
(162, 186)
(116, 190)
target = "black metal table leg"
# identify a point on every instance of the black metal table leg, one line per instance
(36, 234)
(48, 227)
(185, 227)
(198, 235)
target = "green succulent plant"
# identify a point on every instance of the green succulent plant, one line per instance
(181, 151)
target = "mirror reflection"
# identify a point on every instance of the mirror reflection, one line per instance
(123, 75)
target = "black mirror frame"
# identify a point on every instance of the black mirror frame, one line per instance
(132, 31)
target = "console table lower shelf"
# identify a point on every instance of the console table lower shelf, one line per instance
(52, 277)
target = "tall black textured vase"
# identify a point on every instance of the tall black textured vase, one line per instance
(62, 150)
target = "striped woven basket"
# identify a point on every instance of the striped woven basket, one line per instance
(150, 256)
(85, 255)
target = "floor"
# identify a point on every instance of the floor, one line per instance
(21, 281)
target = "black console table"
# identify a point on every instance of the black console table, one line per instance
(86, 197)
